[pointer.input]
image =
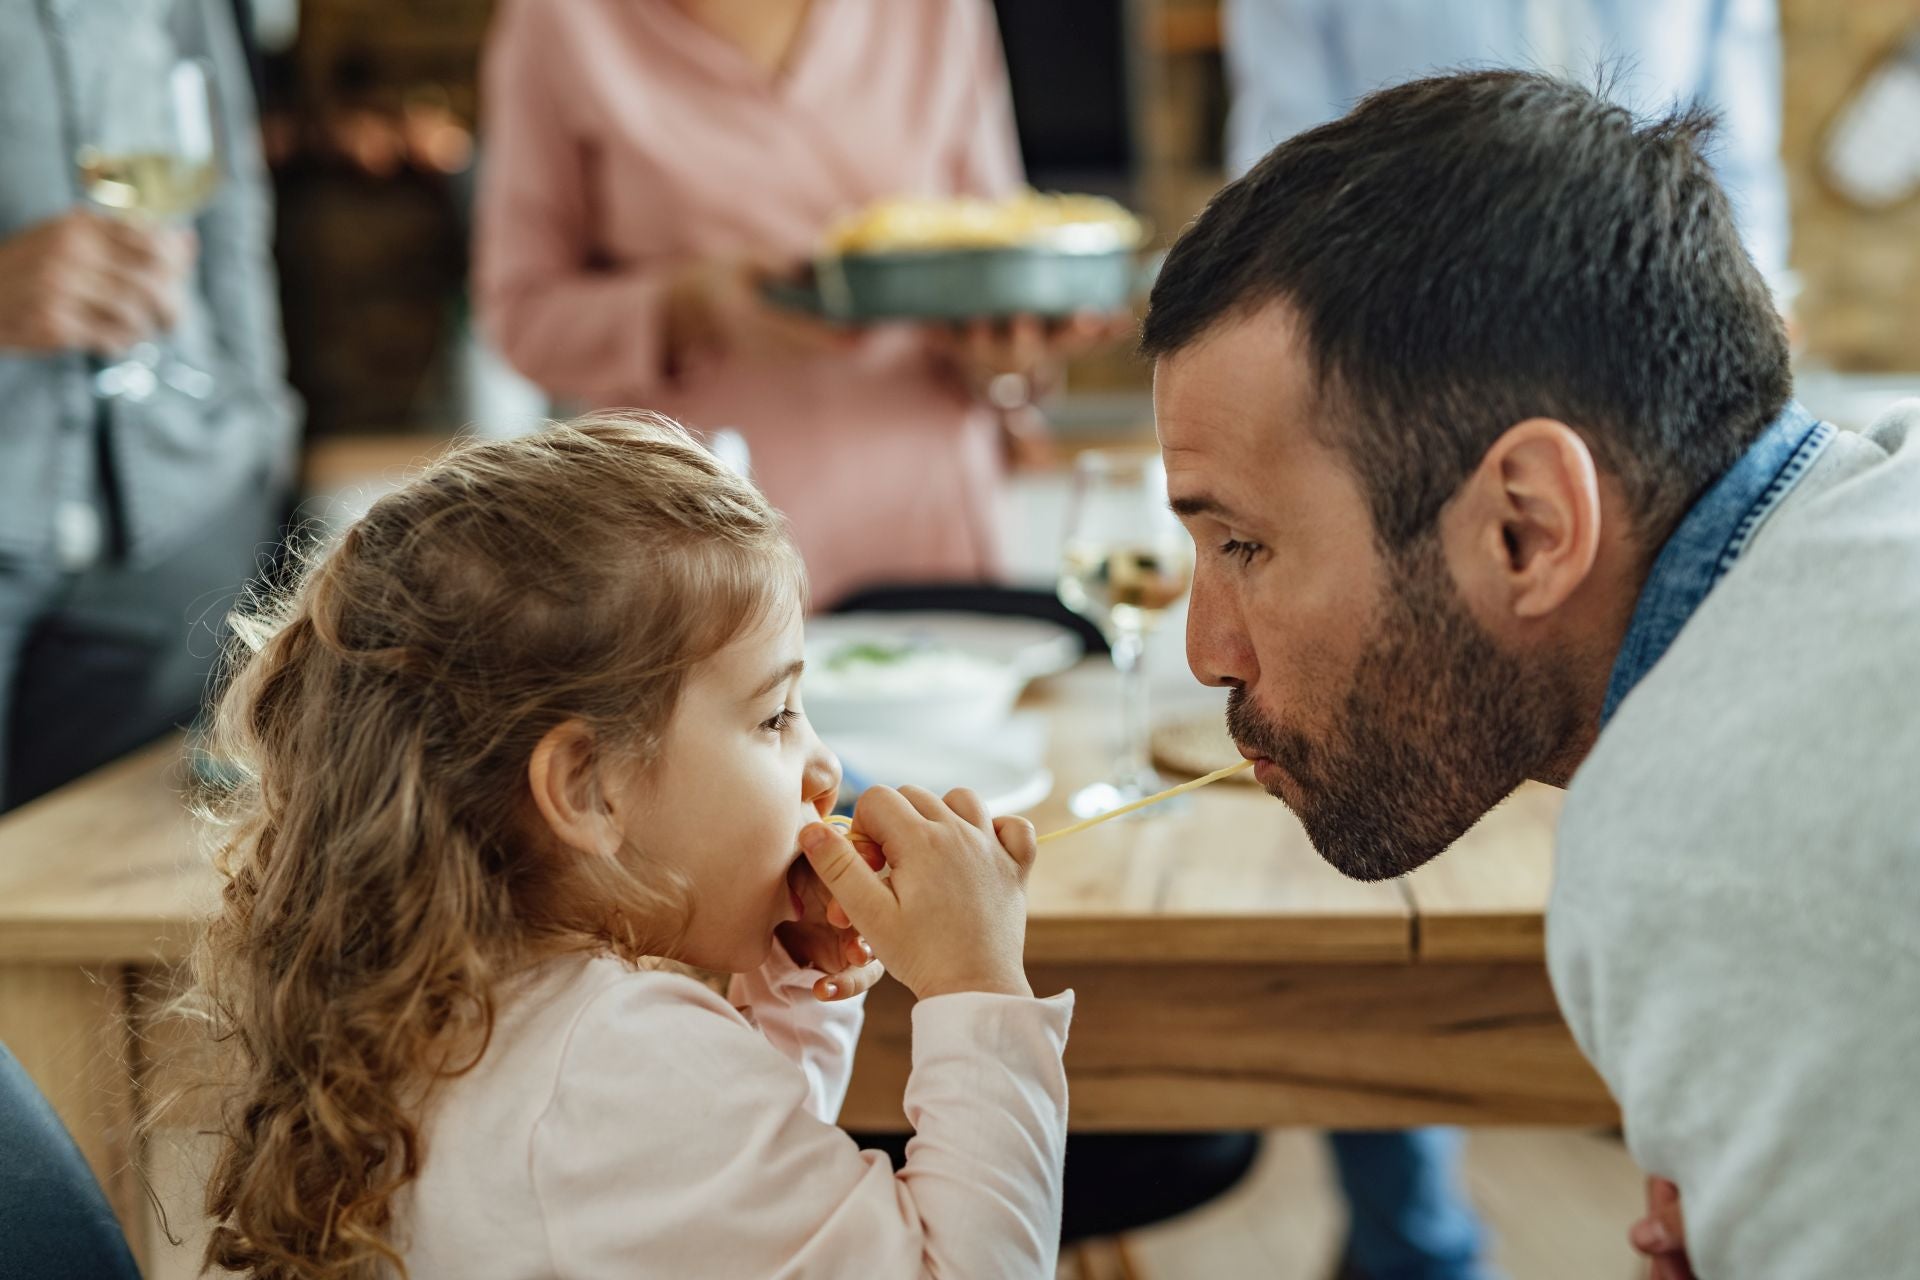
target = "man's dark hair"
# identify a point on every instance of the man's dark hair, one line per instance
(1472, 250)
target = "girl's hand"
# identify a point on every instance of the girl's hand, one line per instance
(953, 914)
(822, 939)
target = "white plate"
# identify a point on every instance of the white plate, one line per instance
(1004, 782)
(1031, 646)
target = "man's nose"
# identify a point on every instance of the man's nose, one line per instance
(1217, 650)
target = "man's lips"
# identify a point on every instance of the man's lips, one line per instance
(1264, 769)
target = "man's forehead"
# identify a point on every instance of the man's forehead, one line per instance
(1243, 384)
(1196, 417)
(1207, 454)
(1205, 479)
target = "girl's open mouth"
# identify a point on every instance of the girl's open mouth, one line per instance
(795, 898)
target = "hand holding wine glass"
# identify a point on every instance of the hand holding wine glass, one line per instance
(153, 162)
(84, 281)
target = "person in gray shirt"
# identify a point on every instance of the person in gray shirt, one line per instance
(1482, 420)
(129, 514)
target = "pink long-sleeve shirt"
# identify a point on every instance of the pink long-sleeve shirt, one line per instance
(635, 1124)
(623, 139)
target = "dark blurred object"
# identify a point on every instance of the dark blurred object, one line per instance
(1067, 60)
(369, 129)
(373, 271)
(974, 597)
(1119, 1182)
(112, 663)
(423, 134)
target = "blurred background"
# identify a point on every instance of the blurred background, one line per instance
(370, 108)
(483, 217)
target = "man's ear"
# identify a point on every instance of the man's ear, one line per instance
(1523, 533)
(563, 774)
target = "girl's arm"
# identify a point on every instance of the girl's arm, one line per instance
(678, 1137)
(815, 1035)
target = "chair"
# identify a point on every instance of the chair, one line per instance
(54, 1219)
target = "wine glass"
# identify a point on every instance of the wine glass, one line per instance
(154, 157)
(1125, 561)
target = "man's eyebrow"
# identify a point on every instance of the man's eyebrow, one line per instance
(1201, 504)
(778, 678)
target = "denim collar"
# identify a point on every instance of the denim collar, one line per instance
(1708, 541)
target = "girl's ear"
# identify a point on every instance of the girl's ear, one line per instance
(563, 775)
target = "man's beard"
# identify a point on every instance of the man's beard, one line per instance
(1438, 726)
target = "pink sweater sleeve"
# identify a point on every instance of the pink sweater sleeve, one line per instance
(579, 330)
(817, 1036)
(987, 158)
(714, 1161)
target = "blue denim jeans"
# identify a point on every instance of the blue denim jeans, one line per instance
(1410, 1217)
(54, 1219)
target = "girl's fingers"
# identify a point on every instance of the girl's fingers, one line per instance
(968, 805)
(884, 815)
(868, 849)
(849, 983)
(925, 803)
(1018, 839)
(837, 915)
(845, 873)
(855, 951)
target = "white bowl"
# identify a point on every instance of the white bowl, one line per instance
(929, 694)
(1032, 646)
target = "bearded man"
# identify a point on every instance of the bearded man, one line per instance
(1481, 420)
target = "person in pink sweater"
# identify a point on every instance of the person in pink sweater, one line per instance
(649, 163)
(530, 729)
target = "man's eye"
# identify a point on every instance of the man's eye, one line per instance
(1239, 549)
(781, 720)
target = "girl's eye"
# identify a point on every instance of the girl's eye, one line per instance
(1240, 550)
(781, 721)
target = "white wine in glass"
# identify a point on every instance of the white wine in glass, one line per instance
(154, 157)
(1126, 587)
(157, 185)
(1124, 563)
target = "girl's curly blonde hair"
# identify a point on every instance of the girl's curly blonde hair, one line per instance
(383, 866)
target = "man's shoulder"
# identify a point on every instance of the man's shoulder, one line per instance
(1824, 603)
(1786, 703)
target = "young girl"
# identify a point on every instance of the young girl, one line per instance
(533, 720)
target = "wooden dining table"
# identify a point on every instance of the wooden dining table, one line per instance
(1226, 976)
